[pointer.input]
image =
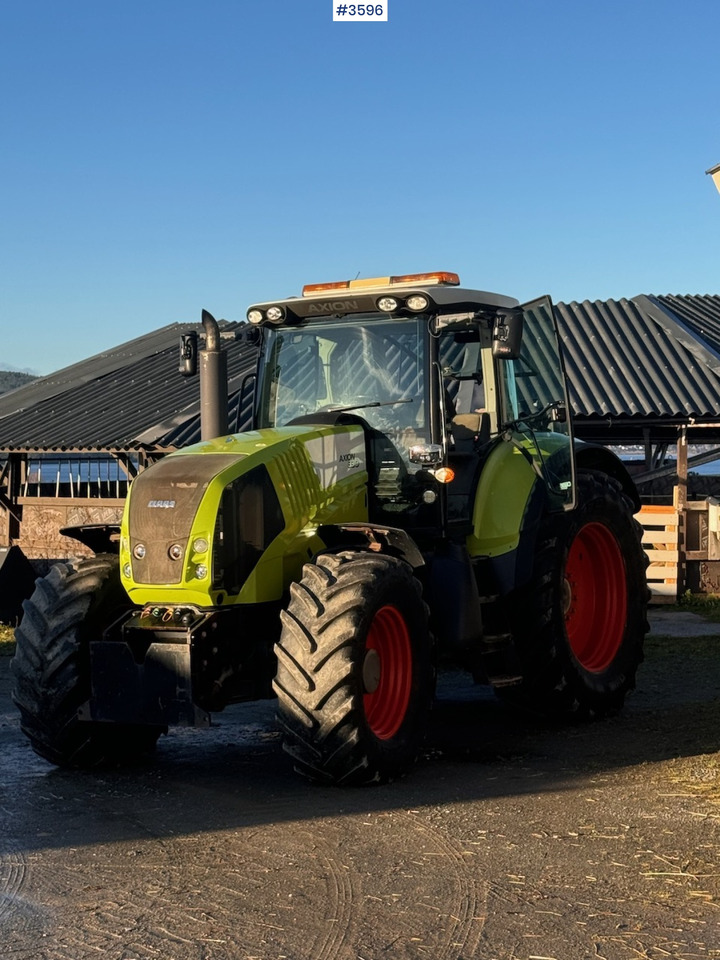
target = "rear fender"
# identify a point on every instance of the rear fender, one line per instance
(591, 456)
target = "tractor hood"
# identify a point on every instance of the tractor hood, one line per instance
(227, 520)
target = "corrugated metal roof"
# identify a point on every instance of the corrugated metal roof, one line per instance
(184, 429)
(113, 401)
(93, 368)
(700, 314)
(622, 362)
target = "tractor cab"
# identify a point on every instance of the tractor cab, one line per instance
(437, 375)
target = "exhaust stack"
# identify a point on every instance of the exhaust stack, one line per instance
(213, 382)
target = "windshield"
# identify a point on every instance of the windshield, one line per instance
(370, 366)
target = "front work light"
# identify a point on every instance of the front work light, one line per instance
(417, 302)
(275, 314)
(255, 316)
(387, 304)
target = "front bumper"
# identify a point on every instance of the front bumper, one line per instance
(168, 666)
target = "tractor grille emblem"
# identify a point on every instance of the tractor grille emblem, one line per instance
(161, 504)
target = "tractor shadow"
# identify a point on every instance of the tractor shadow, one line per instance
(235, 775)
(673, 712)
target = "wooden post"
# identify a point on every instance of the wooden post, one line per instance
(682, 468)
(681, 502)
(10, 490)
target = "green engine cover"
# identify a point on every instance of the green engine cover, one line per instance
(233, 520)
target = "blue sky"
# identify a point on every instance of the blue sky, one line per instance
(162, 156)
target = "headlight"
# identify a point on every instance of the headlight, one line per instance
(139, 551)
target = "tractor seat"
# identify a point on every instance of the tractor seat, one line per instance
(470, 431)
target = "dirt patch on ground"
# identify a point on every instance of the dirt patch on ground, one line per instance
(514, 839)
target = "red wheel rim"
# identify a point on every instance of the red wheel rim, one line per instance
(387, 673)
(595, 597)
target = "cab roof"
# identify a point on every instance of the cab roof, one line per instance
(442, 298)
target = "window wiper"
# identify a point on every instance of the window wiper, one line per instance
(370, 403)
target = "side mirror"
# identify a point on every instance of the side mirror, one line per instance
(427, 454)
(507, 335)
(188, 354)
(558, 414)
(249, 333)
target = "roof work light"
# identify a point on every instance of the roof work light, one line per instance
(370, 283)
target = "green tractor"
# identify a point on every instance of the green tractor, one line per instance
(410, 493)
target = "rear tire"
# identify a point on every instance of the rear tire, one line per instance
(355, 679)
(73, 604)
(580, 624)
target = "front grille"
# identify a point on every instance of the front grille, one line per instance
(163, 504)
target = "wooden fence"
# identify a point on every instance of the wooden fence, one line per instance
(661, 541)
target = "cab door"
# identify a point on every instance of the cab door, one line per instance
(534, 407)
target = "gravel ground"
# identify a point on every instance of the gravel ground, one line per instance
(513, 839)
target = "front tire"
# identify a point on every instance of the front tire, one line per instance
(355, 678)
(72, 605)
(580, 624)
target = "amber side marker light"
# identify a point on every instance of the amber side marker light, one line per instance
(444, 475)
(436, 278)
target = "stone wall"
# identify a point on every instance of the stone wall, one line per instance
(43, 518)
